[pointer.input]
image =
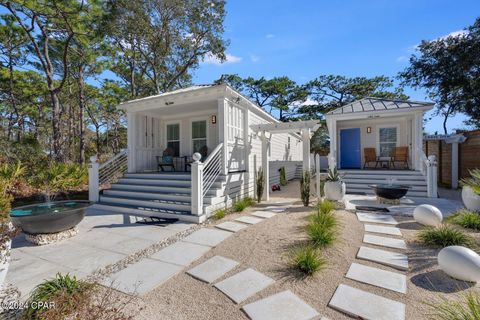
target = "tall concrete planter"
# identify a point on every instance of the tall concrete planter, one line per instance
(471, 200)
(334, 190)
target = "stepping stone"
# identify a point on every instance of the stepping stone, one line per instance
(212, 269)
(381, 229)
(376, 218)
(244, 284)
(142, 277)
(358, 303)
(378, 277)
(263, 214)
(249, 219)
(230, 226)
(384, 241)
(281, 306)
(181, 253)
(388, 258)
(207, 237)
(275, 209)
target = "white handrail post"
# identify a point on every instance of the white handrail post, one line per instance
(197, 187)
(432, 177)
(93, 183)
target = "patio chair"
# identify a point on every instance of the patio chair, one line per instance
(400, 154)
(370, 155)
(166, 160)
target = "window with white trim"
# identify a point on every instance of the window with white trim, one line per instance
(387, 141)
(173, 138)
(199, 135)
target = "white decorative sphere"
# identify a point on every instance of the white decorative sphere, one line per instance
(471, 200)
(428, 215)
(197, 156)
(460, 263)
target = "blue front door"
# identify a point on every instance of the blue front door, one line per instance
(350, 157)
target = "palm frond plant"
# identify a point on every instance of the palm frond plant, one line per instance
(305, 188)
(260, 182)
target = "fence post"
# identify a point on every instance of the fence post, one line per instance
(197, 185)
(433, 183)
(93, 184)
(317, 176)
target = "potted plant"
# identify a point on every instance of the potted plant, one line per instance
(471, 190)
(8, 176)
(334, 188)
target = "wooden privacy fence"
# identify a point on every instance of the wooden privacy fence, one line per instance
(468, 155)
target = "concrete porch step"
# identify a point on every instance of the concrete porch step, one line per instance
(153, 203)
(182, 197)
(156, 182)
(162, 189)
(166, 176)
(368, 180)
(148, 212)
(380, 172)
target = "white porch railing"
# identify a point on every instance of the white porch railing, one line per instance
(107, 172)
(203, 176)
(429, 170)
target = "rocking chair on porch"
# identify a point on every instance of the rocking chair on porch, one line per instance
(370, 155)
(400, 154)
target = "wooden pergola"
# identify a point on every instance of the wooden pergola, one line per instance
(266, 130)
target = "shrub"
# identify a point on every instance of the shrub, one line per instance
(466, 218)
(71, 298)
(220, 214)
(9, 174)
(260, 182)
(468, 309)
(307, 260)
(305, 188)
(327, 220)
(321, 234)
(473, 182)
(445, 236)
(283, 176)
(240, 205)
(325, 207)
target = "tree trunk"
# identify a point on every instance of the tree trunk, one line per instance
(57, 145)
(81, 102)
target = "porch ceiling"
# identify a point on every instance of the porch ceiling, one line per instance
(176, 110)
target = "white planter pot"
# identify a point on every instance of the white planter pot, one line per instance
(5, 258)
(334, 190)
(471, 200)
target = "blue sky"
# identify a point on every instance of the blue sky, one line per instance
(304, 39)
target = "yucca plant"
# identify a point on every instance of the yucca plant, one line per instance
(305, 188)
(307, 260)
(473, 181)
(466, 218)
(260, 182)
(333, 175)
(445, 236)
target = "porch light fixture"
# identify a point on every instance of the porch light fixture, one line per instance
(214, 119)
(369, 129)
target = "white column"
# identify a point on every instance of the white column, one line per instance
(131, 141)
(317, 176)
(93, 183)
(222, 120)
(455, 140)
(265, 167)
(417, 139)
(197, 188)
(332, 132)
(306, 149)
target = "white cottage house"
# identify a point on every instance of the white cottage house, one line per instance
(375, 140)
(232, 136)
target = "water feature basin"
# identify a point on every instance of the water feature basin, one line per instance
(49, 217)
(390, 191)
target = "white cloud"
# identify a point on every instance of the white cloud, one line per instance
(402, 59)
(254, 58)
(230, 58)
(269, 36)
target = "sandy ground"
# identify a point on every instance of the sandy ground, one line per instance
(265, 247)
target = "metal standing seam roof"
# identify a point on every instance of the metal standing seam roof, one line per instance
(377, 104)
(169, 93)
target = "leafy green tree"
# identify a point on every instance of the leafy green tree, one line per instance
(157, 43)
(449, 69)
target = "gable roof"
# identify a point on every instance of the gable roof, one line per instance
(169, 93)
(370, 104)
